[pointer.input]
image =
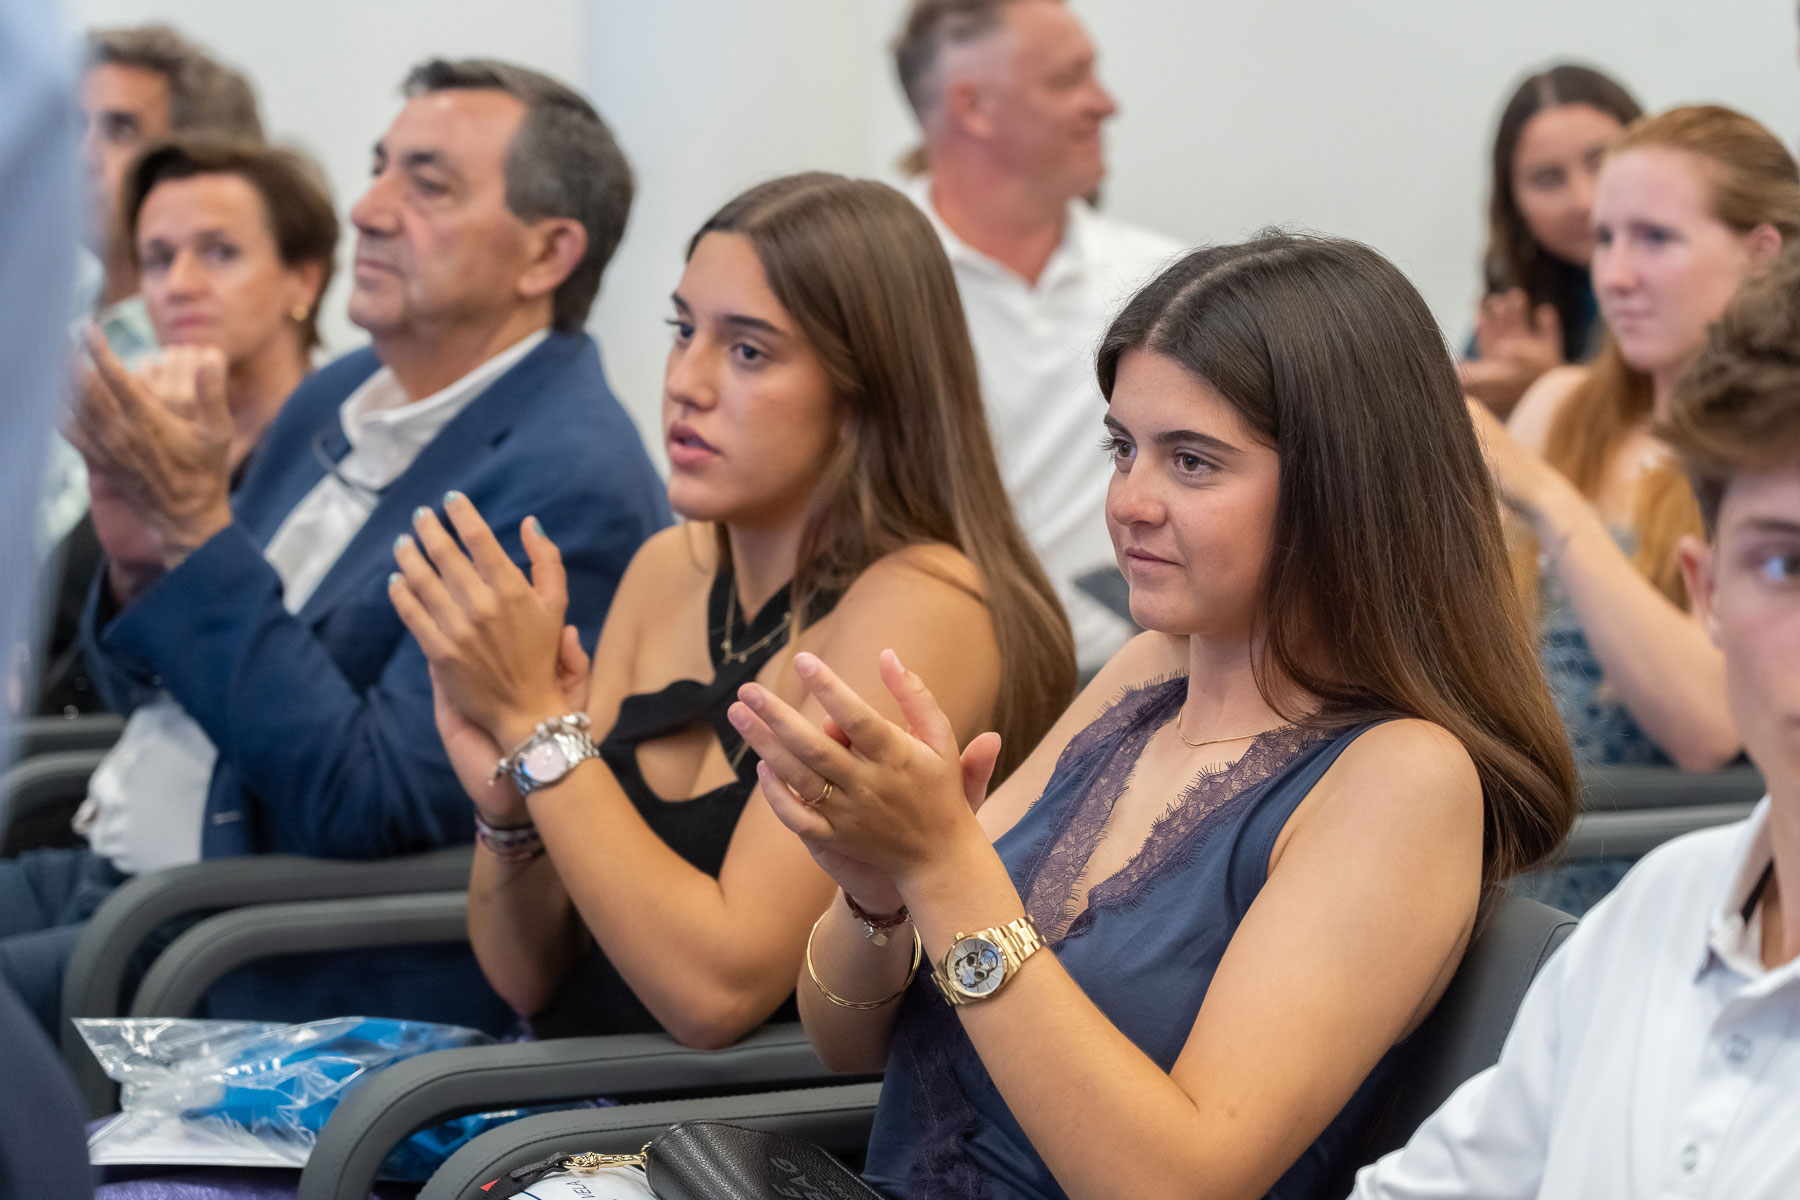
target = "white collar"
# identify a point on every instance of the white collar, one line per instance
(1732, 940)
(386, 431)
(1066, 259)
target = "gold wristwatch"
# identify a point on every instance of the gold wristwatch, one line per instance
(978, 964)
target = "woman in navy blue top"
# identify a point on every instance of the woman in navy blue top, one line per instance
(1174, 952)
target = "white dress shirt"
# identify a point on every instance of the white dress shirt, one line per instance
(147, 798)
(1034, 348)
(1655, 1056)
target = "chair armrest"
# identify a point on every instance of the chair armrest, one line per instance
(1633, 834)
(419, 1092)
(1631, 789)
(39, 795)
(837, 1119)
(94, 980)
(56, 735)
(212, 949)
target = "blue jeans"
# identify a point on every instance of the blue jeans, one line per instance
(46, 896)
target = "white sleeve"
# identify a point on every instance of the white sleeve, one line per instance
(1489, 1140)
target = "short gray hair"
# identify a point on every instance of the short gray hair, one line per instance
(205, 95)
(563, 162)
(930, 26)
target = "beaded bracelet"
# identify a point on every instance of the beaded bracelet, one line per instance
(875, 926)
(515, 843)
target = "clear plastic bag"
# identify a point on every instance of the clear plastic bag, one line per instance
(238, 1092)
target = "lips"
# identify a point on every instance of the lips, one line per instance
(687, 448)
(1143, 558)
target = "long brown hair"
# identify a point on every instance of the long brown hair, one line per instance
(862, 273)
(1753, 181)
(1387, 591)
(1514, 256)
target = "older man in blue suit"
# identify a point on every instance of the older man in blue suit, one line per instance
(277, 703)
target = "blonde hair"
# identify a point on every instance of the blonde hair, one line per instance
(1751, 180)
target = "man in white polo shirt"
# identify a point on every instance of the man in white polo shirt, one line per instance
(1658, 1054)
(1011, 109)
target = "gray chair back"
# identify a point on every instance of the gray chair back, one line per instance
(1463, 1035)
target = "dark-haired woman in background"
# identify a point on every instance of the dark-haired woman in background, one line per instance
(1539, 311)
(828, 447)
(1245, 863)
(234, 245)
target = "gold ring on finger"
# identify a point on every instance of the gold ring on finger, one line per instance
(823, 796)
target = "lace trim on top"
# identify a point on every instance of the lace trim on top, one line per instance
(1110, 755)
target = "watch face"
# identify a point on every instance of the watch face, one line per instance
(976, 966)
(546, 762)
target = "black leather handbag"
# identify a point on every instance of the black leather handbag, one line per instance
(715, 1160)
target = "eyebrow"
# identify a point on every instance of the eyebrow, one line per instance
(737, 320)
(1769, 525)
(1180, 437)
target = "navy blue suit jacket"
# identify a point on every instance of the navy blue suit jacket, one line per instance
(323, 718)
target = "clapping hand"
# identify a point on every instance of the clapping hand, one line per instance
(493, 637)
(159, 442)
(1517, 344)
(896, 798)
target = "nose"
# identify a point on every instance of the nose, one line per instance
(1132, 498)
(688, 377)
(1613, 271)
(1582, 192)
(375, 213)
(1105, 106)
(184, 276)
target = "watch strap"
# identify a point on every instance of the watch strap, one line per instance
(1017, 940)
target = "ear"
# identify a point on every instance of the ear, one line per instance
(1699, 570)
(967, 110)
(1764, 244)
(308, 278)
(556, 247)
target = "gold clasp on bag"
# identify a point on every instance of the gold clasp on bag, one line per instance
(587, 1164)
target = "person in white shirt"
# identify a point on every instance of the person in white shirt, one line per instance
(1012, 114)
(1659, 1051)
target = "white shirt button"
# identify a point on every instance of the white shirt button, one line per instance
(1737, 1049)
(1690, 1157)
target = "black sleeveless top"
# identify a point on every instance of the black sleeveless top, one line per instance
(596, 999)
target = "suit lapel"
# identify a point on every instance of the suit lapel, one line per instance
(443, 464)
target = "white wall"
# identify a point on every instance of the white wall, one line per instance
(1368, 118)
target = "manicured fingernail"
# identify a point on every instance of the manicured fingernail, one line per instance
(403, 542)
(420, 513)
(806, 663)
(393, 579)
(453, 494)
(752, 700)
(536, 527)
(738, 716)
(762, 771)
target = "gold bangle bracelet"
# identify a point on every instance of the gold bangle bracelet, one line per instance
(861, 1005)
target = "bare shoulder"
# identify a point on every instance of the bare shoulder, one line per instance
(676, 556)
(1537, 408)
(1410, 772)
(924, 567)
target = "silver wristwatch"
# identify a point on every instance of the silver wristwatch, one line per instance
(554, 749)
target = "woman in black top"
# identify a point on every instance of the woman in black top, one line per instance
(828, 447)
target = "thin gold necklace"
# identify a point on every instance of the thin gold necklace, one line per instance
(1182, 712)
(738, 656)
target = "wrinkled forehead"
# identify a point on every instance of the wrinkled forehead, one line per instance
(467, 129)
